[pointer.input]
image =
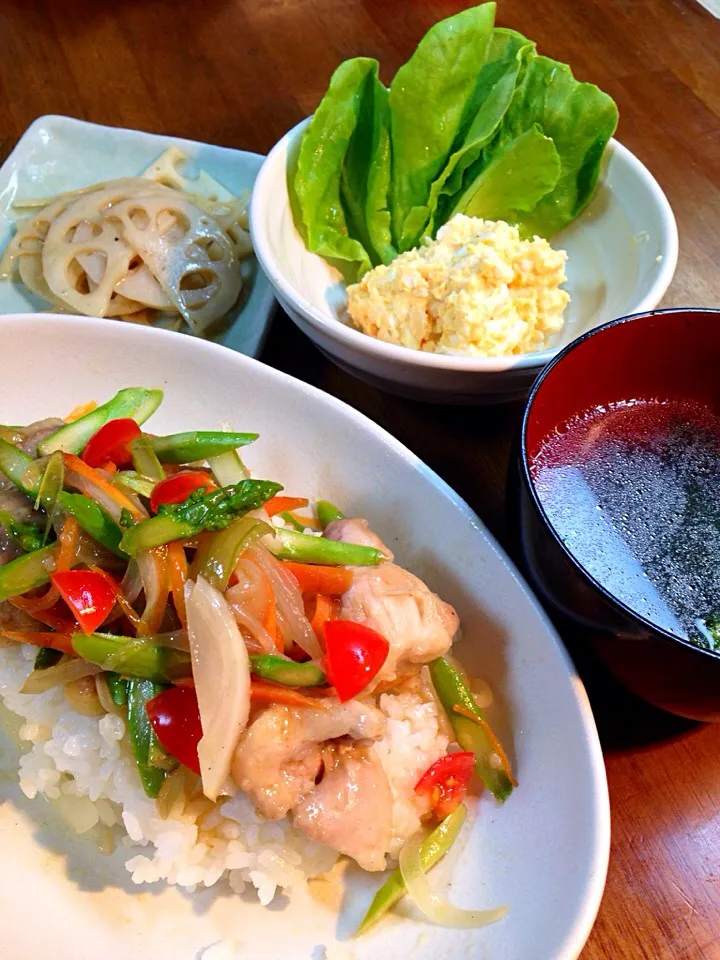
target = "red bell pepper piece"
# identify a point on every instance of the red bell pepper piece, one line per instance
(446, 781)
(177, 489)
(175, 717)
(354, 654)
(111, 442)
(89, 594)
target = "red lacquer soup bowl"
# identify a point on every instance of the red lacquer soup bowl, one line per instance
(618, 496)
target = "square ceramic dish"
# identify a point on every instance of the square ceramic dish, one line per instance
(60, 153)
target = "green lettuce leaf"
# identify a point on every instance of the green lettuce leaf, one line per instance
(505, 53)
(430, 99)
(365, 176)
(515, 180)
(578, 118)
(316, 180)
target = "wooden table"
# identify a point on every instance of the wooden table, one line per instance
(240, 73)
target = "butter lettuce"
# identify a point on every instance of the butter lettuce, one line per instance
(475, 122)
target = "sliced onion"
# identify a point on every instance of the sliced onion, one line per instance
(221, 671)
(104, 696)
(64, 672)
(132, 585)
(82, 696)
(95, 492)
(292, 621)
(430, 903)
(156, 584)
(251, 624)
(252, 589)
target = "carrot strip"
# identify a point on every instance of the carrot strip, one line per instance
(178, 567)
(264, 691)
(50, 619)
(306, 521)
(110, 468)
(315, 578)
(281, 504)
(124, 503)
(34, 605)
(56, 641)
(496, 745)
(324, 611)
(80, 411)
(271, 625)
(68, 539)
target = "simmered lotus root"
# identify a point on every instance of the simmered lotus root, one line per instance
(178, 241)
(135, 247)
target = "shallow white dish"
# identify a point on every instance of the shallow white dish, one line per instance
(60, 153)
(622, 253)
(544, 853)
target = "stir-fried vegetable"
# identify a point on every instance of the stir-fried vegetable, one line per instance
(27, 536)
(118, 687)
(145, 460)
(135, 402)
(446, 781)
(47, 657)
(228, 468)
(316, 578)
(281, 505)
(200, 511)
(93, 520)
(65, 671)
(61, 642)
(145, 658)
(430, 903)
(305, 548)
(27, 572)
(433, 848)
(223, 551)
(471, 728)
(221, 671)
(15, 464)
(198, 445)
(177, 489)
(51, 484)
(90, 595)
(142, 735)
(287, 672)
(327, 512)
(111, 443)
(133, 481)
(355, 655)
(175, 717)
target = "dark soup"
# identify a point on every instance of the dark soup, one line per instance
(633, 491)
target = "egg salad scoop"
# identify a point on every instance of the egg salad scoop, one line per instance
(477, 290)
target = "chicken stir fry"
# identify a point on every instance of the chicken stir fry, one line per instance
(238, 645)
(417, 624)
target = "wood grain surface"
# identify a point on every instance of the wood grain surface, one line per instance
(240, 73)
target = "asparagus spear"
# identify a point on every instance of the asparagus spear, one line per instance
(327, 512)
(135, 402)
(198, 445)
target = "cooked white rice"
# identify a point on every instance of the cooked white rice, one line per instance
(84, 766)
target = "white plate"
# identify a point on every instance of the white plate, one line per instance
(59, 153)
(544, 853)
(622, 253)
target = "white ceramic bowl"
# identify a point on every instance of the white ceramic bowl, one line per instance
(622, 253)
(544, 853)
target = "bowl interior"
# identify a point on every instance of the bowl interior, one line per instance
(608, 523)
(621, 256)
(669, 354)
(540, 706)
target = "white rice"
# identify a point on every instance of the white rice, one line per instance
(84, 767)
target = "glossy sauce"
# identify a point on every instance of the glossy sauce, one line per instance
(633, 490)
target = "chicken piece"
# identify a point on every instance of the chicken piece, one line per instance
(351, 808)
(356, 530)
(417, 624)
(279, 757)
